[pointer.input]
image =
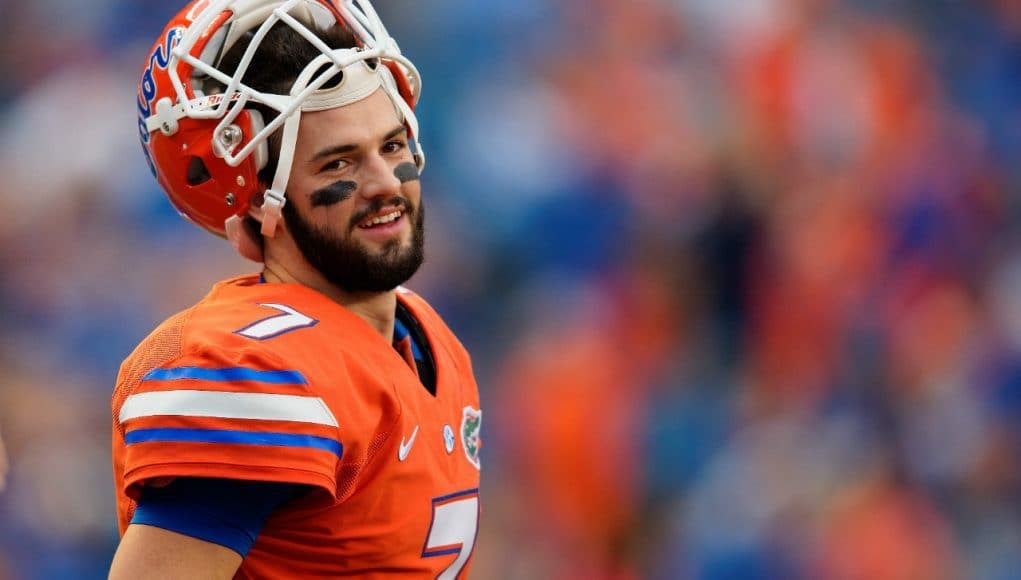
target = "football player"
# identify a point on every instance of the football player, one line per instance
(314, 419)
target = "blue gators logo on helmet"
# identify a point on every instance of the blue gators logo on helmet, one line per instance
(159, 59)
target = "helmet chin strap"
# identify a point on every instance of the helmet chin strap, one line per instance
(273, 199)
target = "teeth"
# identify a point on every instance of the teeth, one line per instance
(384, 219)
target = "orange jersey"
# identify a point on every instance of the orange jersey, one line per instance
(276, 382)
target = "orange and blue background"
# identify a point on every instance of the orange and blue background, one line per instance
(741, 278)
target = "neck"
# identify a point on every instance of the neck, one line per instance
(376, 308)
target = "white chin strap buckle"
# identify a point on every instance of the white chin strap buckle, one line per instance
(272, 203)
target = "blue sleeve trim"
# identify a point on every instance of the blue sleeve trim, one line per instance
(227, 375)
(180, 434)
(230, 513)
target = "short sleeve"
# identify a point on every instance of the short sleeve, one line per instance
(235, 414)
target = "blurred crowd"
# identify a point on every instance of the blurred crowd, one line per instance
(741, 278)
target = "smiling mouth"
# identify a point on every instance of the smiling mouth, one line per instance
(380, 220)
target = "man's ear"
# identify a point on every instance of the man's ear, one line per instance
(245, 237)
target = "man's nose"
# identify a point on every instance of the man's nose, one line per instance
(378, 178)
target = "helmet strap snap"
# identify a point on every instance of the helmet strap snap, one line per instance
(272, 204)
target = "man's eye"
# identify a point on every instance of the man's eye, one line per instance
(393, 146)
(335, 165)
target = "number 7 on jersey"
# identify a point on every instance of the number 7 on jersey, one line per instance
(455, 524)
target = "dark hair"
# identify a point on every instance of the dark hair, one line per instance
(280, 58)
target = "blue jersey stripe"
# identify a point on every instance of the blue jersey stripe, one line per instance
(239, 437)
(226, 375)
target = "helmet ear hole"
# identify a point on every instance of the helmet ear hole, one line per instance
(198, 173)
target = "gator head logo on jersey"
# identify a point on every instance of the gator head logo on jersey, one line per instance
(471, 425)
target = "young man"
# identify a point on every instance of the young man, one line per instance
(315, 419)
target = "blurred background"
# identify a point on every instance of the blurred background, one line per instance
(741, 278)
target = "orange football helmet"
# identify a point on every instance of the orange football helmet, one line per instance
(206, 150)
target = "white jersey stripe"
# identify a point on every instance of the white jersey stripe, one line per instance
(228, 406)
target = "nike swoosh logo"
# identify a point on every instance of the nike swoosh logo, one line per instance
(402, 453)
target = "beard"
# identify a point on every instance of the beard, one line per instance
(349, 265)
